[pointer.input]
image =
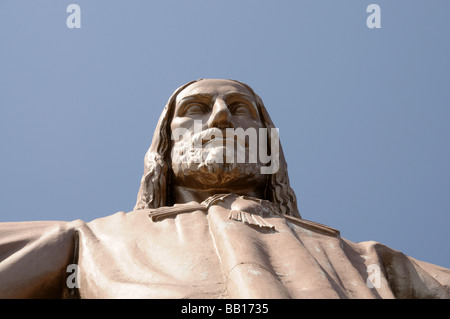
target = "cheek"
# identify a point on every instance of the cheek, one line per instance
(185, 125)
(188, 122)
(181, 122)
(245, 123)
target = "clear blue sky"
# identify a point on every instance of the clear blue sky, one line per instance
(363, 113)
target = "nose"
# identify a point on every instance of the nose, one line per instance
(220, 116)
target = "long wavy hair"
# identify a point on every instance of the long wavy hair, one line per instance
(154, 191)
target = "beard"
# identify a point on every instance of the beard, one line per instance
(214, 163)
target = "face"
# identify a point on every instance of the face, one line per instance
(205, 110)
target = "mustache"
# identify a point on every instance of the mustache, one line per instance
(218, 137)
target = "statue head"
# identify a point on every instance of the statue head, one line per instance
(206, 109)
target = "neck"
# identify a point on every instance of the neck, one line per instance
(183, 194)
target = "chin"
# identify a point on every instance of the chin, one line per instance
(213, 170)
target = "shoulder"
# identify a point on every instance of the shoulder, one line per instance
(407, 276)
(33, 257)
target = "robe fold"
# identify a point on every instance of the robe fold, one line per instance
(204, 254)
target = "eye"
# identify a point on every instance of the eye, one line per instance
(240, 108)
(194, 108)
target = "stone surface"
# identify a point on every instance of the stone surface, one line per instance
(207, 229)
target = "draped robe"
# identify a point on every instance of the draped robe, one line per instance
(204, 254)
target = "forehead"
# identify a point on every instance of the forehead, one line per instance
(214, 88)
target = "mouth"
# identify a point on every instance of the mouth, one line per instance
(219, 138)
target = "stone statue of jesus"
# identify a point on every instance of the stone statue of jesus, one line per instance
(215, 218)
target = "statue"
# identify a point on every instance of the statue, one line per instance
(215, 217)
